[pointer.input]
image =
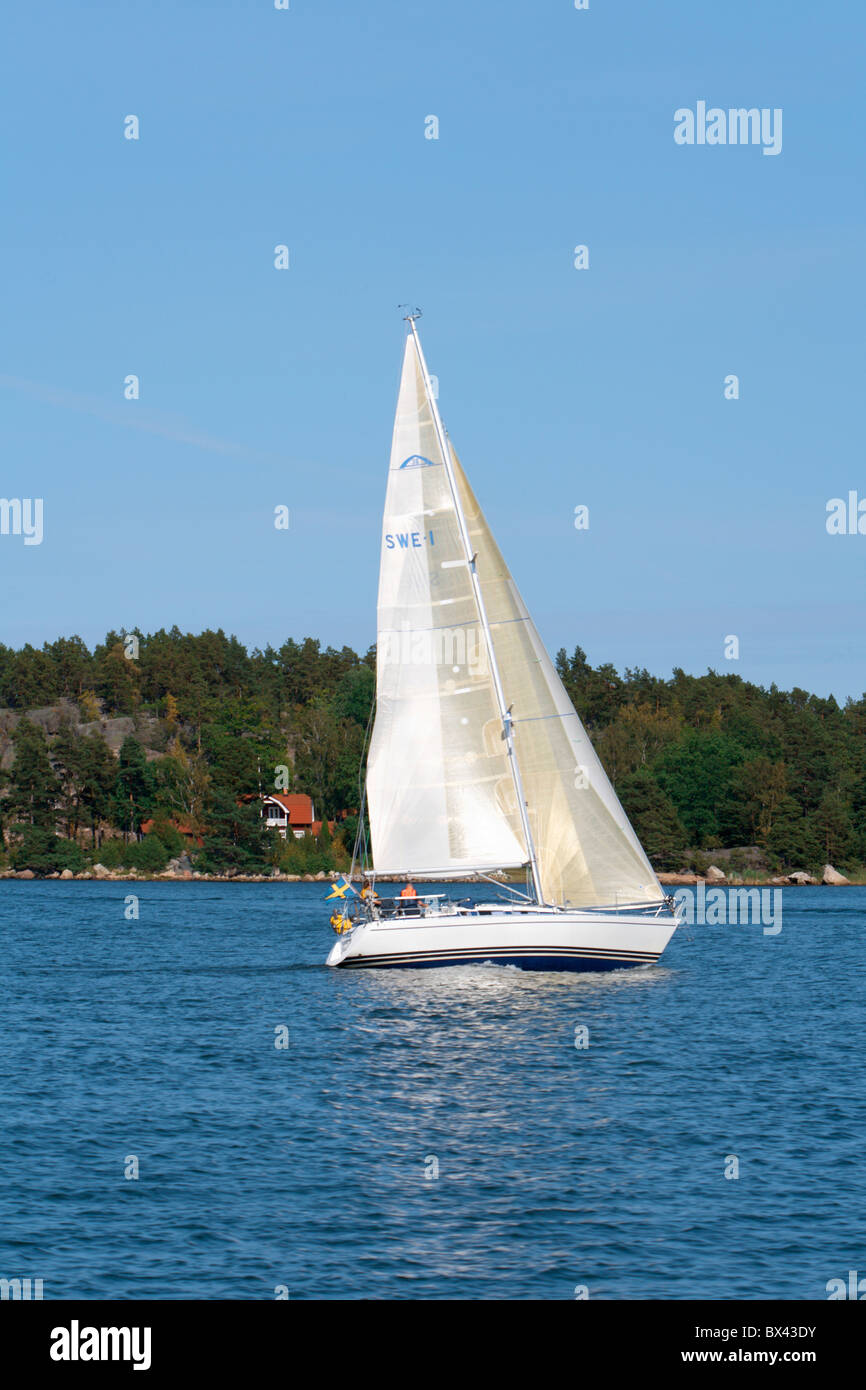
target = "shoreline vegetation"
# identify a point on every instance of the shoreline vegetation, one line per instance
(146, 759)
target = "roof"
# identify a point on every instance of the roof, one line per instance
(298, 805)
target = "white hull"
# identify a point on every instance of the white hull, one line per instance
(532, 940)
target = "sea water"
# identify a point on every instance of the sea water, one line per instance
(194, 1106)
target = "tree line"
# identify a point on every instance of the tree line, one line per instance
(714, 761)
(209, 723)
(699, 762)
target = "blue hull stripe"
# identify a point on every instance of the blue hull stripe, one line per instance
(525, 958)
(608, 952)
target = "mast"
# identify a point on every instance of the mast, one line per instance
(504, 711)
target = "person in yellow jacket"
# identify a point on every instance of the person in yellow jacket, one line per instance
(339, 922)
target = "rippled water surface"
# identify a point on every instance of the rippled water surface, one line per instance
(307, 1167)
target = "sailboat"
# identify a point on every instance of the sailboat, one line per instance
(479, 766)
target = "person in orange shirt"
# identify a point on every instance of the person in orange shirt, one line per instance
(409, 891)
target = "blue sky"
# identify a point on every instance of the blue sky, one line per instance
(560, 387)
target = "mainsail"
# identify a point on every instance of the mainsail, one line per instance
(443, 797)
(440, 792)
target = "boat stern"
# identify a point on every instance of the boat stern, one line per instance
(340, 949)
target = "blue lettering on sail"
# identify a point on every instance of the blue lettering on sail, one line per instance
(409, 540)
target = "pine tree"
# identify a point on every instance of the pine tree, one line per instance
(833, 824)
(34, 788)
(66, 760)
(133, 796)
(98, 775)
(655, 820)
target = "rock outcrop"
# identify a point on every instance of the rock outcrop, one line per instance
(832, 876)
(51, 719)
(181, 867)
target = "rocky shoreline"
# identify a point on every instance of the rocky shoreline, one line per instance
(830, 878)
(177, 874)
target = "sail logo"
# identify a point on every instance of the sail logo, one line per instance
(417, 461)
(736, 126)
(408, 540)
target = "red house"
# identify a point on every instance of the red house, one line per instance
(285, 811)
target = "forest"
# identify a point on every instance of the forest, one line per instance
(172, 730)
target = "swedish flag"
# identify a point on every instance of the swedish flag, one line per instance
(339, 890)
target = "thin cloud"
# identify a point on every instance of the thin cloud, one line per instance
(133, 416)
